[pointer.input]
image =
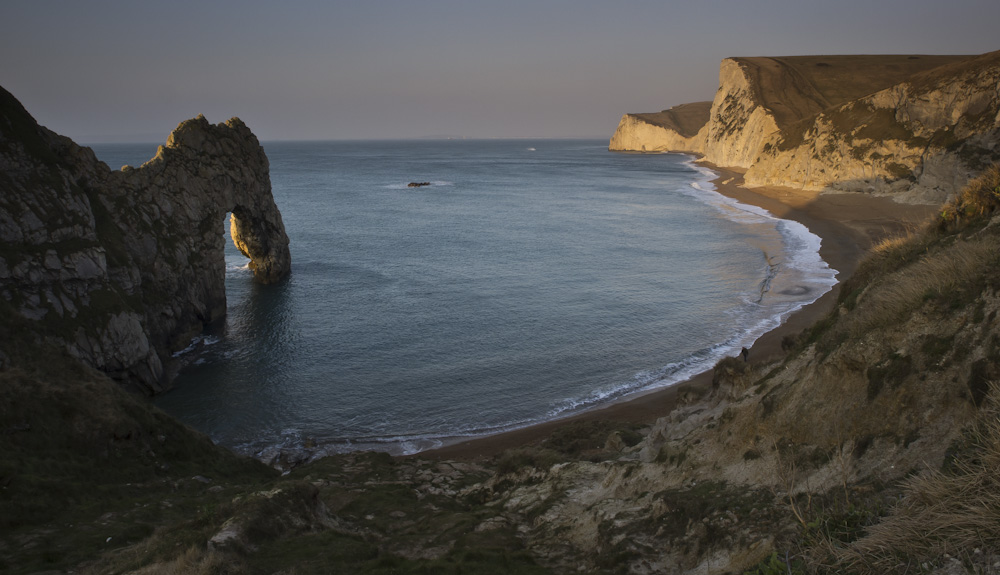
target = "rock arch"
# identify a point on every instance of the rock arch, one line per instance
(225, 165)
(125, 267)
(180, 197)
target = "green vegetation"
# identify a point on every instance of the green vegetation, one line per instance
(777, 565)
(732, 371)
(945, 274)
(579, 440)
(586, 437)
(514, 460)
(87, 467)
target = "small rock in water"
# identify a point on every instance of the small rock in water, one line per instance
(417, 184)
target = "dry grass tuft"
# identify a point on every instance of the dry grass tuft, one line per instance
(981, 197)
(936, 275)
(893, 247)
(941, 513)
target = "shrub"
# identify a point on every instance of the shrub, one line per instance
(734, 371)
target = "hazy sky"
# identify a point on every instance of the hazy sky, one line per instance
(130, 71)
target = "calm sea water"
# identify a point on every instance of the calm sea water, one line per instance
(529, 281)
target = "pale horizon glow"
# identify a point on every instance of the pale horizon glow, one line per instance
(114, 71)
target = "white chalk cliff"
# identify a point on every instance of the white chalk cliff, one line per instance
(915, 128)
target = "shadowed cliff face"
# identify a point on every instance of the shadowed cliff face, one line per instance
(123, 268)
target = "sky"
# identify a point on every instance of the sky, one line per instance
(117, 71)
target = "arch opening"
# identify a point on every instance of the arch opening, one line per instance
(263, 242)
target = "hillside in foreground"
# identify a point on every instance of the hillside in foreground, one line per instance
(869, 447)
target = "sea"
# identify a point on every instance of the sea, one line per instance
(529, 281)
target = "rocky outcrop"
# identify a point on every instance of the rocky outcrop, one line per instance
(122, 268)
(912, 127)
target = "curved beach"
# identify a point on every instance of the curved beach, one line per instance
(848, 224)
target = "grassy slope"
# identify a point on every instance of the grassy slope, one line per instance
(798, 87)
(932, 299)
(685, 119)
(858, 120)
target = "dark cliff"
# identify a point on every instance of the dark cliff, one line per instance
(122, 268)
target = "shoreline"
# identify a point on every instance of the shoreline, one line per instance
(847, 224)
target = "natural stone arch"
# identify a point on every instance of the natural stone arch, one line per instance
(124, 267)
(233, 173)
(179, 198)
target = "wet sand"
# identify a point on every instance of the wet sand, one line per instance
(848, 224)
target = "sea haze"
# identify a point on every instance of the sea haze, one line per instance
(530, 280)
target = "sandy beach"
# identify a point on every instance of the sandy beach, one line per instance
(848, 224)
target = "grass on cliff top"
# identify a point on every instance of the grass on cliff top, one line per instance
(800, 87)
(685, 119)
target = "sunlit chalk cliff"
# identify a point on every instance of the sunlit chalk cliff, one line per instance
(679, 129)
(913, 127)
(124, 267)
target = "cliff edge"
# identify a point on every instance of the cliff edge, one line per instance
(915, 128)
(122, 268)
